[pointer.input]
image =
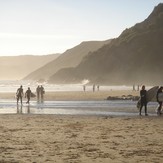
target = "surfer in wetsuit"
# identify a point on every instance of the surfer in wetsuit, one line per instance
(28, 95)
(19, 94)
(38, 93)
(159, 102)
(143, 100)
(42, 92)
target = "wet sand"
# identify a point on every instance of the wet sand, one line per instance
(76, 95)
(74, 139)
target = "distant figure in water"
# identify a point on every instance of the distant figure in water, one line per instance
(28, 95)
(133, 87)
(84, 88)
(42, 92)
(38, 93)
(19, 94)
(143, 100)
(98, 87)
(159, 102)
(93, 87)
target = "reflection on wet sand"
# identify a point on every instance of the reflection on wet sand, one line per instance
(106, 108)
(40, 104)
(23, 110)
(28, 109)
(19, 109)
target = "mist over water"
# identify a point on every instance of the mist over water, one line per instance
(103, 107)
(12, 86)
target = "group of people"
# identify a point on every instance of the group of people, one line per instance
(93, 88)
(143, 100)
(40, 91)
(134, 87)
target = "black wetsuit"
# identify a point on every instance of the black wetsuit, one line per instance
(28, 94)
(143, 94)
(42, 92)
(19, 94)
(159, 102)
(38, 93)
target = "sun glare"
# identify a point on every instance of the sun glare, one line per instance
(19, 44)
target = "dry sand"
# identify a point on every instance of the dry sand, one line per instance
(74, 139)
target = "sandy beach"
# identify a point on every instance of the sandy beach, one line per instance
(74, 139)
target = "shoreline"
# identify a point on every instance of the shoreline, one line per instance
(76, 102)
(75, 95)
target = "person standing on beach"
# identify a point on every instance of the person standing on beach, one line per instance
(93, 87)
(42, 92)
(38, 93)
(84, 88)
(133, 87)
(143, 100)
(159, 102)
(98, 87)
(28, 95)
(19, 94)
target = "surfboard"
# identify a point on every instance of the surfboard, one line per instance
(33, 95)
(151, 96)
(160, 96)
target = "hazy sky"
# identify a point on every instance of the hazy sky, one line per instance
(53, 26)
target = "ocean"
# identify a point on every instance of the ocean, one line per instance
(12, 86)
(104, 107)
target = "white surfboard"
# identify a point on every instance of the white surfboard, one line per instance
(33, 95)
(160, 96)
(151, 96)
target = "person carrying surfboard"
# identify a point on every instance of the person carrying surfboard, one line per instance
(42, 92)
(28, 95)
(143, 100)
(160, 90)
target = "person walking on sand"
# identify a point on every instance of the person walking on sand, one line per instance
(19, 94)
(159, 102)
(143, 100)
(42, 92)
(28, 95)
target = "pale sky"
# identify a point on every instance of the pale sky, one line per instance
(42, 27)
